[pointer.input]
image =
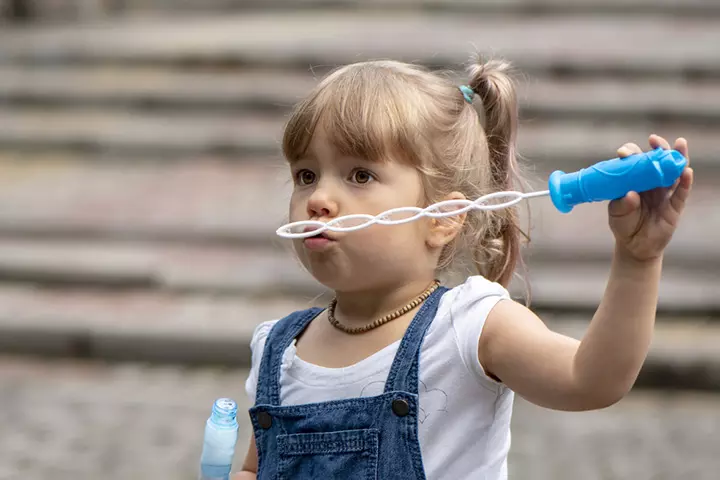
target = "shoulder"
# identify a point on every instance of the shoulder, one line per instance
(260, 334)
(257, 348)
(466, 308)
(473, 293)
(264, 329)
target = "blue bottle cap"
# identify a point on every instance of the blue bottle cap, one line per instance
(224, 412)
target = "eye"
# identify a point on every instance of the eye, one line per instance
(304, 177)
(361, 176)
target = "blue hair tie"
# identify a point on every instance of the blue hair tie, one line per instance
(467, 92)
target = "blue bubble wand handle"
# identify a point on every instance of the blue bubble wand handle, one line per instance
(606, 180)
(612, 179)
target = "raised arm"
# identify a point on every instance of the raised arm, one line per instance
(559, 372)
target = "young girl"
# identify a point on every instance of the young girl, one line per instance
(401, 377)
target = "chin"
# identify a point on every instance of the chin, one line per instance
(358, 271)
(332, 276)
(331, 279)
(351, 280)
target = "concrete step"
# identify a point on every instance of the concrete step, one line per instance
(574, 284)
(173, 134)
(142, 324)
(659, 46)
(204, 201)
(154, 88)
(534, 7)
(276, 90)
(204, 269)
(162, 327)
(548, 145)
(85, 9)
(215, 203)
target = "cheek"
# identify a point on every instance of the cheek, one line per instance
(295, 209)
(297, 245)
(390, 242)
(298, 207)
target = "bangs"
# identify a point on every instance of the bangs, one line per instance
(363, 111)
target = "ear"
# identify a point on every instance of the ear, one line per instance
(443, 230)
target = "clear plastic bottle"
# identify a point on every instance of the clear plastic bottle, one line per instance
(221, 434)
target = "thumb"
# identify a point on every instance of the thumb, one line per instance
(625, 205)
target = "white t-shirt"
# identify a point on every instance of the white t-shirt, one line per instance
(464, 420)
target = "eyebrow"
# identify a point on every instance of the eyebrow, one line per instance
(309, 157)
(304, 157)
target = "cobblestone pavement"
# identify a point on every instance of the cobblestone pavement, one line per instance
(71, 420)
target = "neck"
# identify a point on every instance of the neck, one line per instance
(361, 307)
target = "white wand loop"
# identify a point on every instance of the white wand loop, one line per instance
(397, 216)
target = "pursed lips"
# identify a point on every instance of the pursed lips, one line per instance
(324, 234)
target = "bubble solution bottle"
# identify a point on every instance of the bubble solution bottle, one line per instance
(221, 433)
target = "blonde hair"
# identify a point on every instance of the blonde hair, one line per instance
(385, 109)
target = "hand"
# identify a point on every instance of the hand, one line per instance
(644, 223)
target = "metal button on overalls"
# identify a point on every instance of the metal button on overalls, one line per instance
(400, 407)
(264, 420)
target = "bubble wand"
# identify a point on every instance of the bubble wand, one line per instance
(606, 180)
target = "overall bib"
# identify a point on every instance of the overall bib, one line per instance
(358, 438)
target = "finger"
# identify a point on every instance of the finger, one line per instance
(671, 189)
(628, 149)
(681, 145)
(625, 205)
(682, 192)
(658, 141)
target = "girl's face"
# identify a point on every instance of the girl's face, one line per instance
(328, 185)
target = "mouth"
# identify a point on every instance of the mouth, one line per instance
(324, 235)
(320, 241)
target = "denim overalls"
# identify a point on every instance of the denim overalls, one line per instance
(357, 438)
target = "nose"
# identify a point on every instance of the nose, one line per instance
(321, 203)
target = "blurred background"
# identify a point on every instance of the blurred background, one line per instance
(141, 185)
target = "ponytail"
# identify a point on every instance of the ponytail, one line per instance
(495, 88)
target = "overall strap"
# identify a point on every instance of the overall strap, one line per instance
(280, 337)
(403, 374)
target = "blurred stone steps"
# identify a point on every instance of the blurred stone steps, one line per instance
(166, 327)
(206, 201)
(147, 88)
(117, 132)
(90, 8)
(575, 44)
(140, 325)
(547, 145)
(95, 116)
(168, 267)
(141, 181)
(555, 284)
(163, 89)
